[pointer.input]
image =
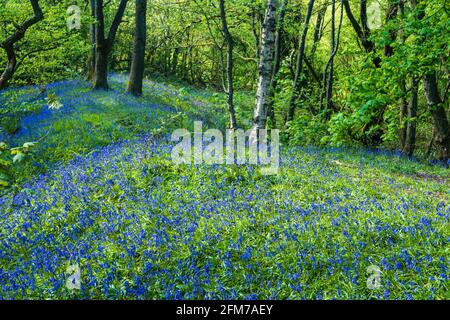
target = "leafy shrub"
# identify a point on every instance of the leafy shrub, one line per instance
(307, 130)
(8, 157)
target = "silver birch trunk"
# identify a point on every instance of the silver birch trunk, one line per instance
(265, 67)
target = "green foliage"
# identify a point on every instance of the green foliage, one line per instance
(185, 44)
(370, 108)
(10, 156)
(53, 102)
(306, 130)
(49, 51)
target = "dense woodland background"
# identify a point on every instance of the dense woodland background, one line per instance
(341, 73)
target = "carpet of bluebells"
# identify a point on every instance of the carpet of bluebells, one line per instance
(140, 227)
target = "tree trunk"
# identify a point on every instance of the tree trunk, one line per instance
(439, 115)
(391, 15)
(103, 46)
(328, 79)
(299, 67)
(101, 67)
(255, 24)
(8, 44)
(92, 57)
(277, 61)
(176, 51)
(362, 31)
(229, 40)
(265, 66)
(331, 63)
(140, 37)
(318, 30)
(410, 139)
(403, 115)
(402, 83)
(101, 52)
(10, 66)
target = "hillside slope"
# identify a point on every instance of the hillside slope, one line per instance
(138, 226)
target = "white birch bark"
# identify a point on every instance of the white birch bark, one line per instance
(265, 67)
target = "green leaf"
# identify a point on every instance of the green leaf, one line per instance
(18, 157)
(4, 163)
(3, 183)
(3, 146)
(29, 144)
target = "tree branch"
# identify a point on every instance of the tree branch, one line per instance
(21, 29)
(116, 22)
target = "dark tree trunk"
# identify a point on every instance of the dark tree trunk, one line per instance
(312, 71)
(363, 18)
(328, 74)
(92, 57)
(318, 30)
(276, 62)
(410, 138)
(101, 52)
(402, 83)
(101, 67)
(183, 63)
(299, 67)
(176, 51)
(140, 37)
(8, 44)
(362, 31)
(229, 40)
(103, 46)
(403, 115)
(439, 115)
(10, 66)
(391, 15)
(331, 63)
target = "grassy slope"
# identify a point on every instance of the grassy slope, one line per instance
(140, 227)
(91, 119)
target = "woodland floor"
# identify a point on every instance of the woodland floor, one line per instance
(102, 193)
